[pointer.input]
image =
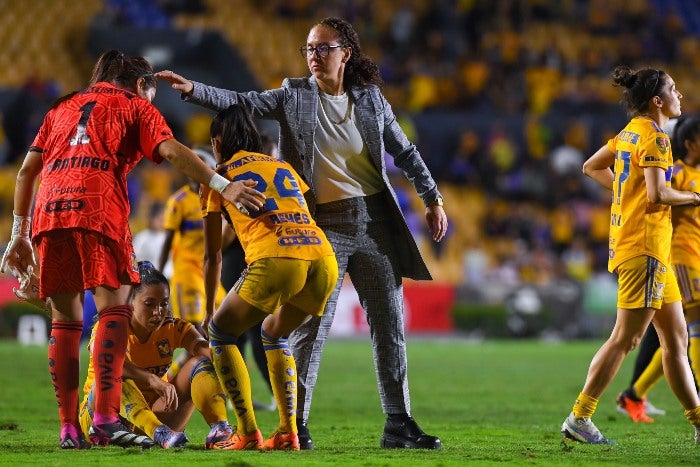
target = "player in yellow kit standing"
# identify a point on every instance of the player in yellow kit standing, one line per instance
(184, 241)
(685, 252)
(291, 272)
(640, 247)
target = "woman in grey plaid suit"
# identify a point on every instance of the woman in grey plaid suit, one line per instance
(335, 127)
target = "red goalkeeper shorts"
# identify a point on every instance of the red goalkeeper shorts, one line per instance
(74, 260)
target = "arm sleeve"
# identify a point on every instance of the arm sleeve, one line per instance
(266, 104)
(406, 156)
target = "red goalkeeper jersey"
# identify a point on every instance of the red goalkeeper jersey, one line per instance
(89, 143)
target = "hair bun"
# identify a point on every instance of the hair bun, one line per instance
(624, 76)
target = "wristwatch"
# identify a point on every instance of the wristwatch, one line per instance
(437, 201)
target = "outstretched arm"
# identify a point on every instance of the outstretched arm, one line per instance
(239, 193)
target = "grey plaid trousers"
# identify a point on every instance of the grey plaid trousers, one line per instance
(360, 231)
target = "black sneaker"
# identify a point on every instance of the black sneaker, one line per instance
(305, 441)
(402, 431)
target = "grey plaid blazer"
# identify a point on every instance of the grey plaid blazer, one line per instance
(294, 106)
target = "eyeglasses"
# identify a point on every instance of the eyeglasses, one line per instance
(321, 50)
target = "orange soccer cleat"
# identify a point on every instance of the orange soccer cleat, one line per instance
(281, 441)
(239, 442)
(636, 409)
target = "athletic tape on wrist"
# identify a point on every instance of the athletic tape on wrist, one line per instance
(218, 183)
(21, 225)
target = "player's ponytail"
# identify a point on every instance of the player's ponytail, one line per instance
(122, 70)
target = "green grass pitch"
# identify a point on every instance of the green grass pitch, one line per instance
(492, 402)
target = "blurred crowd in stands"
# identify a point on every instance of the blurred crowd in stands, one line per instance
(504, 98)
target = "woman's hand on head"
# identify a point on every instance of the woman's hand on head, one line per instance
(179, 83)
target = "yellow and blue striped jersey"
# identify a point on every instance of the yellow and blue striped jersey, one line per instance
(183, 216)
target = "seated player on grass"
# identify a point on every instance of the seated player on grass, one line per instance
(155, 406)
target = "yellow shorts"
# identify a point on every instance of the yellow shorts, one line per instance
(645, 282)
(188, 301)
(268, 283)
(689, 282)
(85, 412)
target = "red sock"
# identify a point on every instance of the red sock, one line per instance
(108, 355)
(64, 367)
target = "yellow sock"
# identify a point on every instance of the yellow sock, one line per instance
(135, 408)
(283, 376)
(650, 376)
(585, 406)
(693, 415)
(181, 357)
(234, 378)
(694, 348)
(207, 395)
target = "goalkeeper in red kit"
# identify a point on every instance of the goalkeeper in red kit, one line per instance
(87, 144)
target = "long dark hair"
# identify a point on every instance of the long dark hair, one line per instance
(122, 70)
(360, 70)
(686, 128)
(119, 69)
(237, 130)
(640, 86)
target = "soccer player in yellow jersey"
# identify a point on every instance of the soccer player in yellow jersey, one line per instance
(685, 254)
(156, 406)
(291, 272)
(640, 247)
(184, 241)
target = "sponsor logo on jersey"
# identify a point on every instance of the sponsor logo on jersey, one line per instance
(65, 205)
(298, 240)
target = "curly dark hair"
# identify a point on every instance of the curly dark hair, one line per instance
(640, 86)
(360, 70)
